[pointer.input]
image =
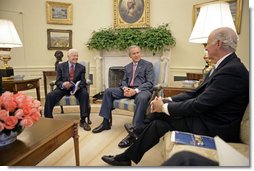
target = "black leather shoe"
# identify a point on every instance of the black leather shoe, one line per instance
(127, 141)
(85, 125)
(112, 161)
(131, 130)
(101, 128)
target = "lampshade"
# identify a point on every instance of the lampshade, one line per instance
(211, 17)
(9, 37)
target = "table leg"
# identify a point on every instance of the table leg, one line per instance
(38, 91)
(76, 143)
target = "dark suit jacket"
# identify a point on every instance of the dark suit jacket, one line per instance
(217, 105)
(64, 75)
(144, 75)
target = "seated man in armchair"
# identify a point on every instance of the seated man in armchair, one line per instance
(137, 84)
(70, 72)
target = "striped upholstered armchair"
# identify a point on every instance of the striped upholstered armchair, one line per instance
(161, 80)
(71, 100)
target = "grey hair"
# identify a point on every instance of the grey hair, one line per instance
(131, 47)
(228, 37)
(71, 51)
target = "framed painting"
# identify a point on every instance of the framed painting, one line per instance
(235, 8)
(59, 39)
(59, 13)
(131, 13)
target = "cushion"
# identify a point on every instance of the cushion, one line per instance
(125, 103)
(245, 127)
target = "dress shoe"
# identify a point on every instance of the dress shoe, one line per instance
(127, 141)
(112, 161)
(85, 125)
(101, 128)
(131, 130)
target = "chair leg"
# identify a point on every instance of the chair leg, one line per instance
(62, 111)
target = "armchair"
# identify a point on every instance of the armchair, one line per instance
(161, 80)
(71, 100)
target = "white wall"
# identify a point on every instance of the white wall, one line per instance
(29, 17)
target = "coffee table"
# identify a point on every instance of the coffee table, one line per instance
(37, 142)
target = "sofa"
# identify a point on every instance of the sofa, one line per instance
(170, 148)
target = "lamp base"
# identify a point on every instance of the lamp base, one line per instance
(7, 72)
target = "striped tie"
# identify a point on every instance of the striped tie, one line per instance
(133, 74)
(72, 73)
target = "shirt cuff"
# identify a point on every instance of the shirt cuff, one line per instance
(165, 109)
(137, 90)
(169, 98)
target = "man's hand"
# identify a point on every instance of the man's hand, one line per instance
(129, 92)
(67, 85)
(156, 104)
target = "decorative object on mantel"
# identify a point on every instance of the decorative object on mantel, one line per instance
(153, 38)
(18, 111)
(9, 38)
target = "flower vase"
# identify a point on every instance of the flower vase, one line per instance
(8, 139)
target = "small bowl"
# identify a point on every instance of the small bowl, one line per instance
(189, 83)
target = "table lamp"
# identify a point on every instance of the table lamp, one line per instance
(9, 38)
(211, 16)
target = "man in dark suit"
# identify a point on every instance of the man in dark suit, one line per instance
(216, 107)
(137, 83)
(70, 72)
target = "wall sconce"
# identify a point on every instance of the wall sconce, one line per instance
(211, 16)
(9, 38)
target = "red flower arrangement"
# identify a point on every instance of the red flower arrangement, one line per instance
(18, 111)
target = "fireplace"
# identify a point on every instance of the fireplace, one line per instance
(115, 76)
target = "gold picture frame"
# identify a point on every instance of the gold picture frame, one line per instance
(59, 39)
(59, 13)
(131, 13)
(235, 8)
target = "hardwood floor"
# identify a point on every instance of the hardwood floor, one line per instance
(94, 146)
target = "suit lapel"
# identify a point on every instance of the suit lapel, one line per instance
(140, 64)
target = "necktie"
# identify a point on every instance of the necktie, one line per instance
(212, 70)
(133, 74)
(72, 73)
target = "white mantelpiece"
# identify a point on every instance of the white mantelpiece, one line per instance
(107, 59)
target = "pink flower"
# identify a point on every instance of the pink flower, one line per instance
(10, 122)
(3, 114)
(26, 122)
(18, 111)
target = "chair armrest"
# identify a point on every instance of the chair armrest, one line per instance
(156, 92)
(52, 84)
(89, 82)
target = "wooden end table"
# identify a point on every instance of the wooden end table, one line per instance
(37, 142)
(171, 91)
(15, 85)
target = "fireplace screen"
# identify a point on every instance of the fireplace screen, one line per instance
(115, 76)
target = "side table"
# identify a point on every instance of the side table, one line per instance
(171, 91)
(15, 85)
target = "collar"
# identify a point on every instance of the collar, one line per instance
(221, 59)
